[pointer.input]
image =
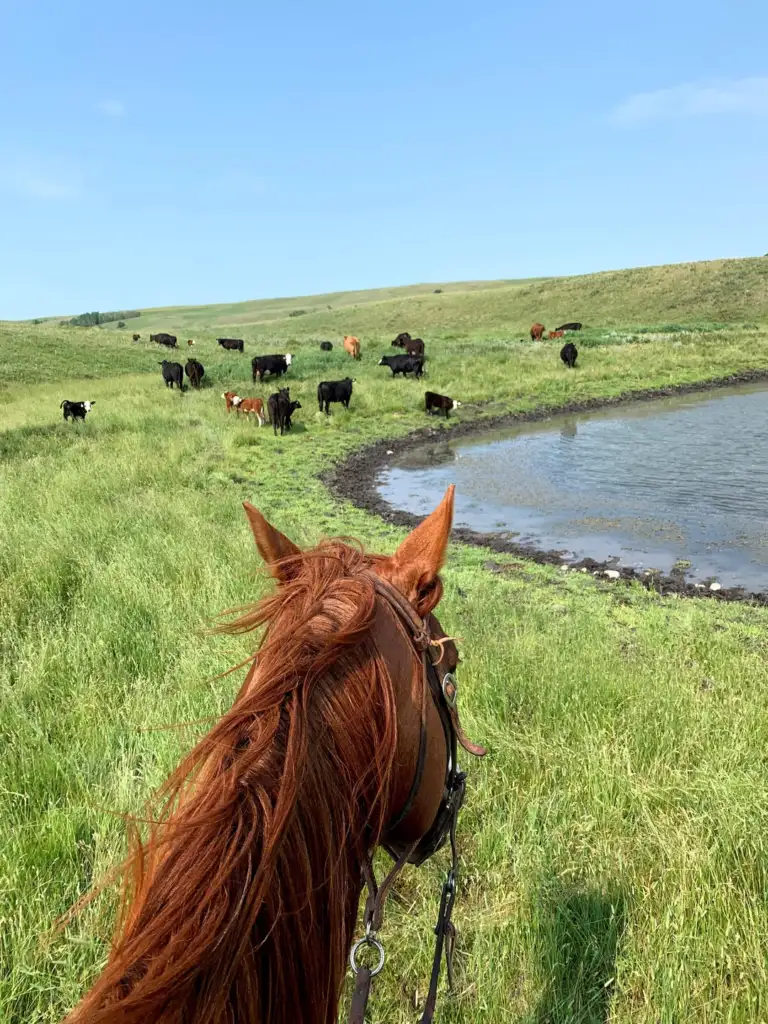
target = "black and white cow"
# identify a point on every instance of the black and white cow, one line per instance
(275, 365)
(439, 403)
(77, 410)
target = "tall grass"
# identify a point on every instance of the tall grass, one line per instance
(613, 843)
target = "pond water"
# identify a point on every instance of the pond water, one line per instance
(647, 485)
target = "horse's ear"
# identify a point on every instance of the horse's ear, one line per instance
(273, 546)
(421, 555)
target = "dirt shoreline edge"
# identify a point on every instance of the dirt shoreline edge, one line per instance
(354, 480)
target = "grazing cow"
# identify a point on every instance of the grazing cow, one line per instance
(252, 405)
(401, 339)
(537, 331)
(568, 354)
(169, 340)
(334, 391)
(326, 346)
(555, 334)
(173, 373)
(276, 365)
(233, 401)
(195, 371)
(190, 342)
(352, 346)
(279, 406)
(234, 344)
(569, 327)
(439, 403)
(403, 364)
(137, 337)
(76, 410)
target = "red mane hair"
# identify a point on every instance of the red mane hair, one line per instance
(253, 869)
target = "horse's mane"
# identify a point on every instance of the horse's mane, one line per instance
(241, 902)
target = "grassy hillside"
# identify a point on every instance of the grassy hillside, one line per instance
(728, 291)
(613, 842)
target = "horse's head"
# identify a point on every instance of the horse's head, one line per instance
(423, 756)
(242, 902)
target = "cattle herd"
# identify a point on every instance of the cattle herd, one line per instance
(280, 408)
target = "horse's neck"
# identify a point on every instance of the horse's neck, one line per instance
(247, 903)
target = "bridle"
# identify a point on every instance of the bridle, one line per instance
(444, 693)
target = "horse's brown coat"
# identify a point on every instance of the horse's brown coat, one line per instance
(240, 905)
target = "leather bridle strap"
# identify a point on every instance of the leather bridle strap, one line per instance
(421, 640)
(445, 931)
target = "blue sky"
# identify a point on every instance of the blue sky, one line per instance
(159, 153)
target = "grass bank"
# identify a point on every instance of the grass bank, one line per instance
(613, 842)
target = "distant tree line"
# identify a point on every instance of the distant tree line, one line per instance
(94, 319)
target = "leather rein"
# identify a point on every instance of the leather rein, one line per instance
(444, 694)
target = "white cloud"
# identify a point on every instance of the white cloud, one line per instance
(30, 182)
(112, 108)
(741, 96)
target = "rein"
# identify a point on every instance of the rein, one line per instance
(444, 694)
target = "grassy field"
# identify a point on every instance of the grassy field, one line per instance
(613, 842)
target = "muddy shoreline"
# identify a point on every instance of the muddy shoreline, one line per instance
(354, 479)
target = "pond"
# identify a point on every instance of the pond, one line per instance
(649, 485)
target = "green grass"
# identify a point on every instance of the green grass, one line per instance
(727, 291)
(613, 843)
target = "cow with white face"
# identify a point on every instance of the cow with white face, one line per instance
(77, 410)
(439, 403)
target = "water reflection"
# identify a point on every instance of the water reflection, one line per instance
(652, 483)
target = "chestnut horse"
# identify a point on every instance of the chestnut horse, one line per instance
(240, 905)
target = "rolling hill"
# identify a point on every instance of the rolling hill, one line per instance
(727, 291)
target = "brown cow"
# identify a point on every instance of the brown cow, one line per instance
(537, 332)
(555, 334)
(190, 342)
(233, 400)
(253, 405)
(352, 346)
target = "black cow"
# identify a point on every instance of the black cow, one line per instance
(169, 340)
(568, 354)
(439, 403)
(403, 364)
(235, 344)
(569, 327)
(276, 365)
(401, 339)
(279, 408)
(137, 337)
(173, 373)
(291, 410)
(326, 346)
(334, 391)
(195, 371)
(76, 410)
